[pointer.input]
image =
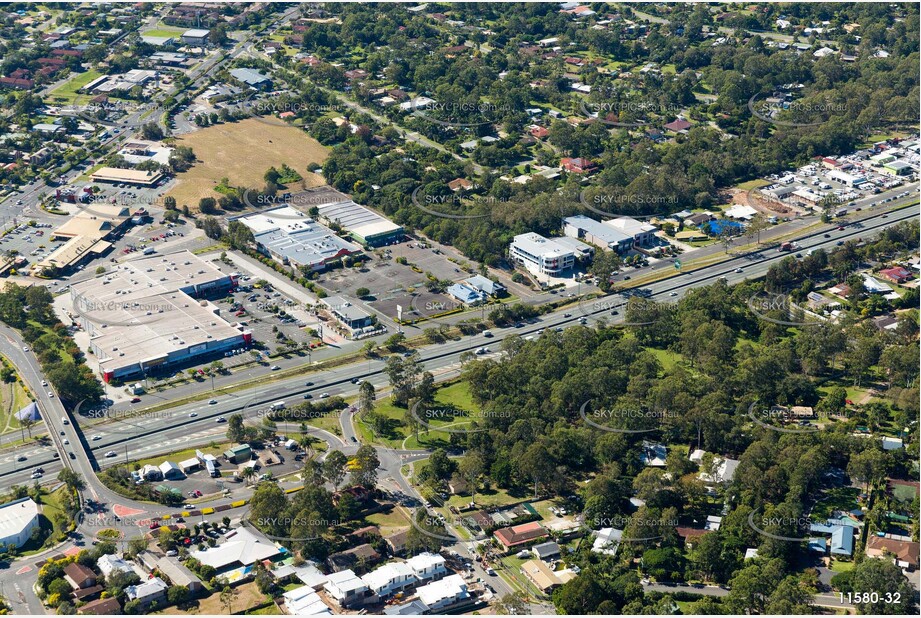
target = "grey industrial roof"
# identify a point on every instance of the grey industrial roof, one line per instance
(249, 76)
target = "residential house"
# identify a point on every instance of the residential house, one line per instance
(360, 555)
(896, 274)
(390, 578)
(546, 551)
(543, 577)
(79, 576)
(653, 454)
(101, 607)
(428, 566)
(903, 553)
(346, 588)
(151, 591)
(607, 540)
(678, 125)
(397, 542)
(515, 536)
(450, 592)
(578, 165)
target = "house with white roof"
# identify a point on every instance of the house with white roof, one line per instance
(346, 588)
(653, 454)
(389, 579)
(444, 593)
(607, 540)
(305, 601)
(151, 591)
(110, 563)
(242, 547)
(428, 566)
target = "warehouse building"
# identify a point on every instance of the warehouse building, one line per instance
(140, 178)
(252, 78)
(17, 521)
(88, 234)
(196, 36)
(363, 224)
(291, 237)
(152, 314)
(597, 233)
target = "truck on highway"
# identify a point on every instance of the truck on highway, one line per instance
(787, 246)
(278, 405)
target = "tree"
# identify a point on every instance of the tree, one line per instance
(235, 432)
(364, 470)
(72, 479)
(581, 595)
(177, 595)
(207, 205)
(227, 597)
(267, 508)
(894, 595)
(513, 604)
(471, 467)
(334, 467)
(789, 598)
(366, 397)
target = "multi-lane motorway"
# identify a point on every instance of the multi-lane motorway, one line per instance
(176, 428)
(151, 434)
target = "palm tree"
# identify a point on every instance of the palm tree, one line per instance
(248, 474)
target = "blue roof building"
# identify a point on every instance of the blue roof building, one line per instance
(487, 286)
(717, 227)
(467, 295)
(842, 541)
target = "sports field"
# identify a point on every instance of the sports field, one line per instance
(242, 152)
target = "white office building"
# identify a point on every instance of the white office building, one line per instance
(548, 256)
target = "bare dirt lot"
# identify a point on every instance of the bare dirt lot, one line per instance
(242, 152)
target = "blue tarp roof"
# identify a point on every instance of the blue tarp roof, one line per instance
(30, 412)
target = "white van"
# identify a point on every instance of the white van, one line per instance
(278, 405)
(64, 420)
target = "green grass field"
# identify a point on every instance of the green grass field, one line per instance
(67, 92)
(164, 31)
(13, 398)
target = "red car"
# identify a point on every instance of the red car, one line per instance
(135, 399)
(840, 228)
(155, 525)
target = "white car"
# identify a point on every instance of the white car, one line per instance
(212, 402)
(97, 437)
(25, 348)
(111, 454)
(36, 475)
(66, 441)
(674, 294)
(193, 414)
(221, 419)
(44, 383)
(738, 270)
(324, 395)
(50, 394)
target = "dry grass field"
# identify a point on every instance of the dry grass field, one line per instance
(242, 152)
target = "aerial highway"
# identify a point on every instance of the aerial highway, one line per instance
(180, 426)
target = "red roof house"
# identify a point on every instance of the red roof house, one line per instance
(578, 165)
